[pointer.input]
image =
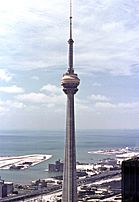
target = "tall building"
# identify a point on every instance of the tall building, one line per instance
(130, 180)
(70, 82)
(56, 167)
(6, 188)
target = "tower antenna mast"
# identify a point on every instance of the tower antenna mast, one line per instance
(70, 41)
(70, 19)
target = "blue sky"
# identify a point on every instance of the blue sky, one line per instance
(33, 58)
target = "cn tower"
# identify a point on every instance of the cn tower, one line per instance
(70, 82)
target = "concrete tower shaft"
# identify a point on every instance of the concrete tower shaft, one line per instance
(70, 83)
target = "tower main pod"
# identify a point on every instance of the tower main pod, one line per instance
(70, 82)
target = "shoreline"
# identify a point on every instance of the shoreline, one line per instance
(22, 162)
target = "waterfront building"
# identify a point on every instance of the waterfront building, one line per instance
(70, 82)
(6, 188)
(130, 180)
(3, 189)
(57, 167)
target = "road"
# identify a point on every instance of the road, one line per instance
(33, 194)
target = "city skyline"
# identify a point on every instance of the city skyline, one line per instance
(33, 57)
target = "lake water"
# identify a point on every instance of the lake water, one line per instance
(52, 142)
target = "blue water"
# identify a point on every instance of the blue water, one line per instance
(52, 142)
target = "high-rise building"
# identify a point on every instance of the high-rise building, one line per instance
(130, 180)
(70, 82)
(6, 188)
